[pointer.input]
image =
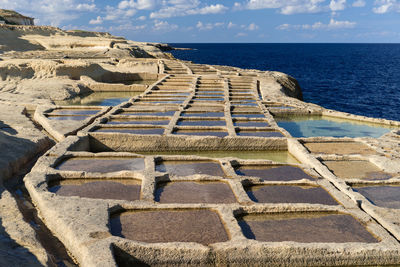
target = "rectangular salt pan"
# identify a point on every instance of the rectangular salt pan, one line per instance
(305, 228)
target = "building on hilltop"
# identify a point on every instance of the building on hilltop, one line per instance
(14, 18)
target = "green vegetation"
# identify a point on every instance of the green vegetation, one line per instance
(7, 12)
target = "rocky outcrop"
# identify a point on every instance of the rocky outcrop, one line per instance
(12, 17)
(77, 43)
(289, 85)
(37, 81)
(40, 65)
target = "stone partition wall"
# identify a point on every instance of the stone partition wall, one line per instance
(206, 167)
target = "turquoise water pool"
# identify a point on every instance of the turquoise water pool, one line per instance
(311, 126)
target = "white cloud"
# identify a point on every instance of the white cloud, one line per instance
(337, 5)
(51, 12)
(208, 26)
(121, 27)
(138, 4)
(128, 27)
(261, 4)
(241, 34)
(359, 3)
(174, 8)
(123, 4)
(130, 12)
(231, 25)
(117, 14)
(178, 8)
(98, 20)
(212, 9)
(284, 27)
(200, 25)
(252, 27)
(385, 6)
(332, 25)
(145, 4)
(237, 6)
(286, 7)
(142, 18)
(86, 7)
(335, 24)
(164, 26)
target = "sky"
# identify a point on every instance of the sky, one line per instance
(222, 21)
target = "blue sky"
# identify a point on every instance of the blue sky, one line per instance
(360, 21)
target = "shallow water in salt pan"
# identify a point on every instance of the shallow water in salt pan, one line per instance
(100, 99)
(194, 192)
(273, 173)
(289, 194)
(278, 156)
(358, 169)
(260, 133)
(250, 123)
(99, 189)
(157, 131)
(305, 228)
(102, 165)
(310, 126)
(201, 226)
(201, 133)
(188, 122)
(186, 168)
(386, 196)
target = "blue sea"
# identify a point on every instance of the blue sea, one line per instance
(363, 79)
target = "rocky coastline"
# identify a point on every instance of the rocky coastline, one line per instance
(42, 66)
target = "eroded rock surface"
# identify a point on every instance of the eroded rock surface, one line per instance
(110, 189)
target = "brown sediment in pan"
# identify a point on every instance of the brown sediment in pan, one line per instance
(186, 168)
(188, 122)
(122, 189)
(305, 228)
(194, 192)
(137, 121)
(102, 165)
(244, 123)
(74, 111)
(273, 173)
(259, 133)
(157, 131)
(356, 169)
(201, 133)
(66, 118)
(203, 114)
(340, 148)
(289, 194)
(387, 196)
(148, 113)
(201, 226)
